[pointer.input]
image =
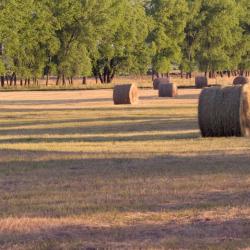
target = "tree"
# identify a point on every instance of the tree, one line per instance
(27, 37)
(80, 26)
(167, 36)
(123, 48)
(218, 33)
(244, 45)
(190, 44)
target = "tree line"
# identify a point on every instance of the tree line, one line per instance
(103, 38)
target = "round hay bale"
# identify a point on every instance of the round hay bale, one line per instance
(125, 94)
(158, 81)
(201, 82)
(168, 90)
(225, 111)
(240, 80)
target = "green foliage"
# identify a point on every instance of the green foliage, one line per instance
(2, 67)
(244, 44)
(108, 37)
(213, 34)
(168, 33)
(123, 47)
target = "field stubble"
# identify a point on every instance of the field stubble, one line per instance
(77, 172)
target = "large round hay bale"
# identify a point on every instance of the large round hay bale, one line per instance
(158, 81)
(125, 94)
(201, 82)
(240, 80)
(168, 90)
(225, 111)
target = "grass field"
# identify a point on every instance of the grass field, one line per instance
(141, 81)
(77, 172)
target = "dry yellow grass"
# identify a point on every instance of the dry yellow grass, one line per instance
(141, 81)
(77, 172)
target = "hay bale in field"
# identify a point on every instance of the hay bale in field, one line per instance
(225, 111)
(125, 94)
(168, 90)
(158, 81)
(201, 82)
(240, 80)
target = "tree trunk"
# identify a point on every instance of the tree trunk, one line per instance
(84, 80)
(101, 78)
(7, 79)
(47, 79)
(14, 78)
(63, 79)
(2, 81)
(108, 78)
(11, 80)
(58, 79)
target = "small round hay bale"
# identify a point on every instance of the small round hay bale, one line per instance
(168, 90)
(158, 81)
(201, 82)
(125, 94)
(240, 80)
(225, 111)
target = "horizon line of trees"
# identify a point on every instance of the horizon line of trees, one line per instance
(104, 38)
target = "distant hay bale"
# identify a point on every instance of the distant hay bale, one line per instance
(240, 80)
(201, 82)
(225, 111)
(158, 81)
(168, 90)
(125, 94)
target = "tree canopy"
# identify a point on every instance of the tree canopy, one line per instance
(102, 38)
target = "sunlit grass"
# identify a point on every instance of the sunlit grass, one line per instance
(90, 174)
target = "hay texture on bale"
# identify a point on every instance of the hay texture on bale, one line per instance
(240, 80)
(125, 94)
(225, 112)
(168, 90)
(158, 81)
(201, 82)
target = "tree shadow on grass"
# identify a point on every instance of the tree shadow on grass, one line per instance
(118, 174)
(123, 138)
(108, 108)
(153, 124)
(203, 234)
(179, 97)
(104, 163)
(125, 118)
(53, 102)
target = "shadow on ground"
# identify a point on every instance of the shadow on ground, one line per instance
(53, 102)
(229, 234)
(152, 184)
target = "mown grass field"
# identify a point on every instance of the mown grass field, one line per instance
(77, 172)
